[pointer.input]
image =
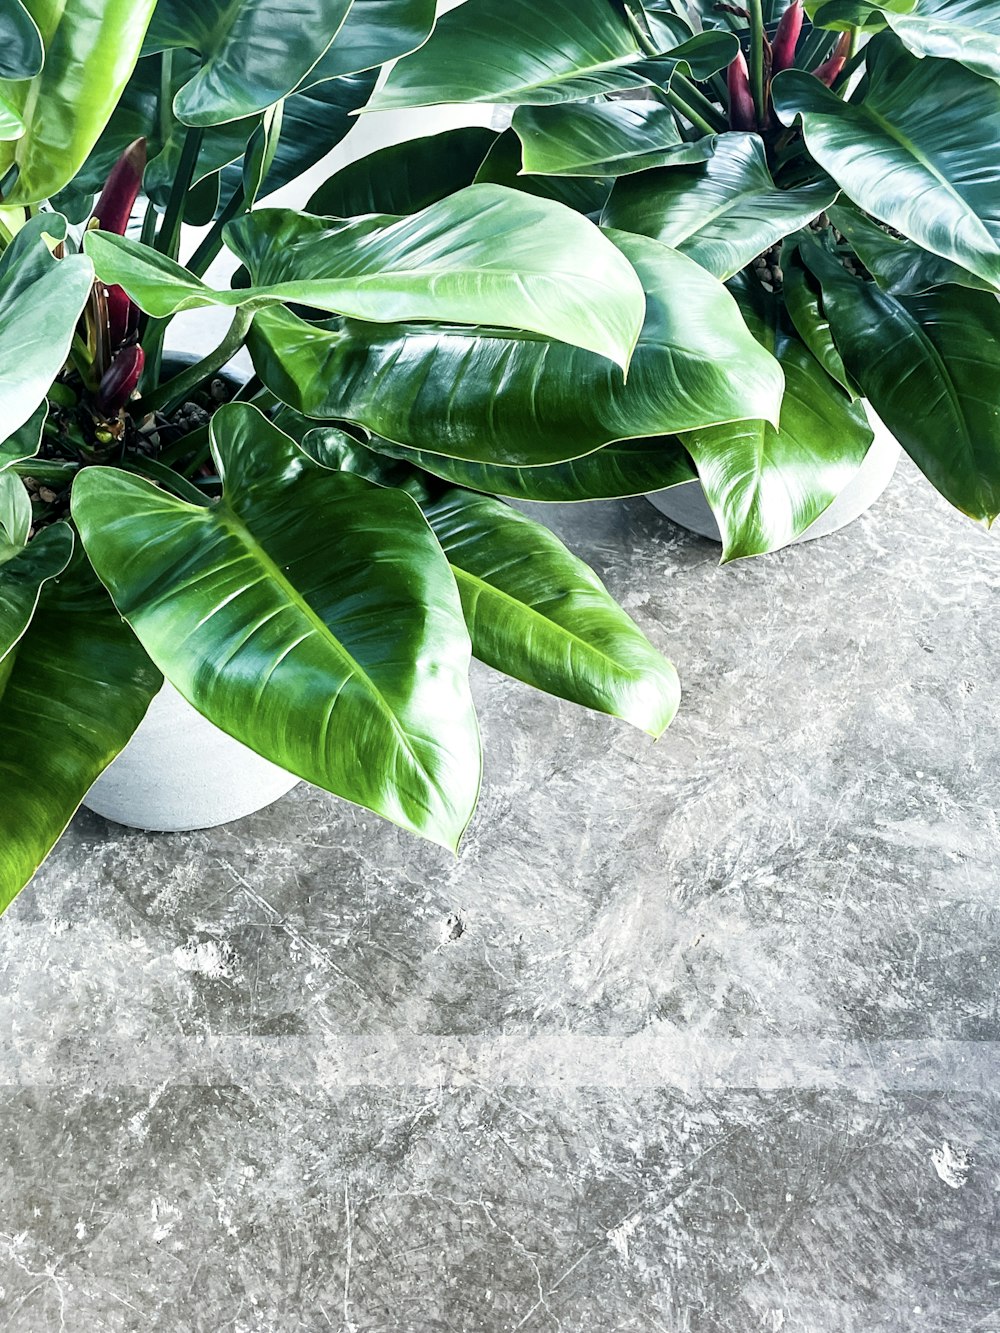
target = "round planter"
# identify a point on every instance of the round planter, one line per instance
(686, 504)
(179, 772)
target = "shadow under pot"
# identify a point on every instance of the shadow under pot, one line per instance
(686, 505)
(180, 772)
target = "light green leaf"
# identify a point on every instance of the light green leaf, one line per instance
(484, 255)
(538, 613)
(23, 571)
(918, 153)
(722, 213)
(766, 486)
(603, 139)
(25, 440)
(91, 48)
(310, 614)
(15, 511)
(964, 30)
(502, 166)
(495, 397)
(73, 689)
(930, 364)
(805, 309)
(41, 299)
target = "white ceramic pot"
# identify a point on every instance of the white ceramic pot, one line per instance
(687, 506)
(179, 772)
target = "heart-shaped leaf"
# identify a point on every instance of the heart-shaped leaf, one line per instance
(73, 688)
(485, 255)
(496, 397)
(930, 364)
(918, 153)
(247, 57)
(538, 613)
(964, 30)
(310, 614)
(721, 213)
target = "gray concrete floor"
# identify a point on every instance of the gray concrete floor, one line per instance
(696, 1036)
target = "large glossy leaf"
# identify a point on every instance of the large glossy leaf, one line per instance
(91, 48)
(502, 166)
(73, 689)
(25, 440)
(919, 153)
(766, 486)
(405, 177)
(310, 614)
(930, 364)
(805, 310)
(497, 397)
(964, 30)
(41, 299)
(23, 571)
(252, 52)
(538, 613)
(721, 213)
(519, 51)
(21, 51)
(603, 138)
(627, 467)
(483, 255)
(897, 265)
(374, 32)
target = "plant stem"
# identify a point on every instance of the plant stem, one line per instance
(170, 395)
(46, 470)
(757, 58)
(698, 121)
(854, 62)
(149, 467)
(696, 99)
(212, 243)
(168, 240)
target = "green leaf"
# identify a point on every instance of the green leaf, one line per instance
(25, 441)
(91, 48)
(15, 511)
(41, 299)
(930, 365)
(405, 177)
(964, 30)
(538, 613)
(310, 614)
(21, 51)
(72, 691)
(495, 397)
(627, 467)
(374, 32)
(805, 310)
(897, 265)
(766, 486)
(919, 153)
(722, 213)
(519, 51)
(23, 571)
(249, 55)
(603, 139)
(484, 255)
(502, 166)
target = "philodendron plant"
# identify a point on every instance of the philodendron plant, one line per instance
(838, 170)
(257, 546)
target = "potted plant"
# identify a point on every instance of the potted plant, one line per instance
(839, 171)
(306, 596)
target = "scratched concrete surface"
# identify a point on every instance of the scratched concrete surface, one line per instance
(695, 1037)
